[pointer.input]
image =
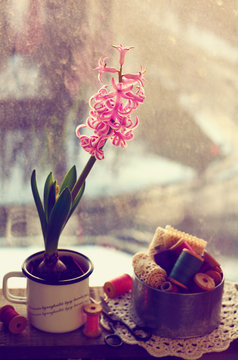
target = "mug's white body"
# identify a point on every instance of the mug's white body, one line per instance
(58, 307)
(55, 308)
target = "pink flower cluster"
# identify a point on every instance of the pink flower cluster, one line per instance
(111, 108)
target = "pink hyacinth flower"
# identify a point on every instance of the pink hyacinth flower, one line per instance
(111, 109)
(135, 77)
(122, 51)
(102, 68)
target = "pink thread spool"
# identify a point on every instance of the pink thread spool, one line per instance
(92, 328)
(179, 246)
(118, 286)
(14, 322)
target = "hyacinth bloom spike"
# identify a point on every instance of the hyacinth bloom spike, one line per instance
(111, 108)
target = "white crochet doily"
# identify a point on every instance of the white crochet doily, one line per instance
(193, 348)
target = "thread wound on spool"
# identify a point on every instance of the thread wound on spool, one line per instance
(14, 322)
(118, 286)
(166, 259)
(187, 265)
(178, 247)
(209, 262)
(92, 328)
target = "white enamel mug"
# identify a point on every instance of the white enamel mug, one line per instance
(55, 308)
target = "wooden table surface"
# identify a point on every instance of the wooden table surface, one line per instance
(34, 344)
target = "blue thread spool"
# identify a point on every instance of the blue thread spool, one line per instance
(187, 265)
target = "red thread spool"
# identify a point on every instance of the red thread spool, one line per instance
(14, 322)
(118, 286)
(217, 277)
(209, 262)
(92, 328)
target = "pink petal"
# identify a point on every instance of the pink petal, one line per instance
(122, 51)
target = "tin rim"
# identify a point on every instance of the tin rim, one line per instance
(179, 293)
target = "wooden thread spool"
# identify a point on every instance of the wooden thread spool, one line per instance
(14, 322)
(118, 286)
(92, 328)
(167, 286)
(218, 269)
(187, 265)
(204, 282)
(209, 262)
(217, 277)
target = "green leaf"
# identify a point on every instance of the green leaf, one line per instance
(51, 199)
(69, 180)
(38, 203)
(48, 184)
(57, 220)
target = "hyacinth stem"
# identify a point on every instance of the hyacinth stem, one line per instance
(120, 75)
(83, 176)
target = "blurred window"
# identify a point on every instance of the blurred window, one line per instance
(181, 169)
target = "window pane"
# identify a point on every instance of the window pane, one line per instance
(180, 169)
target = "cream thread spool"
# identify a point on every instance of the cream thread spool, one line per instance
(92, 327)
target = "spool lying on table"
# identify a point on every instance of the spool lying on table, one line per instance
(176, 315)
(13, 321)
(118, 286)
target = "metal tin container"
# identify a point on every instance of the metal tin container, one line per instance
(176, 315)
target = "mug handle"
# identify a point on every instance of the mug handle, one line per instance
(5, 290)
